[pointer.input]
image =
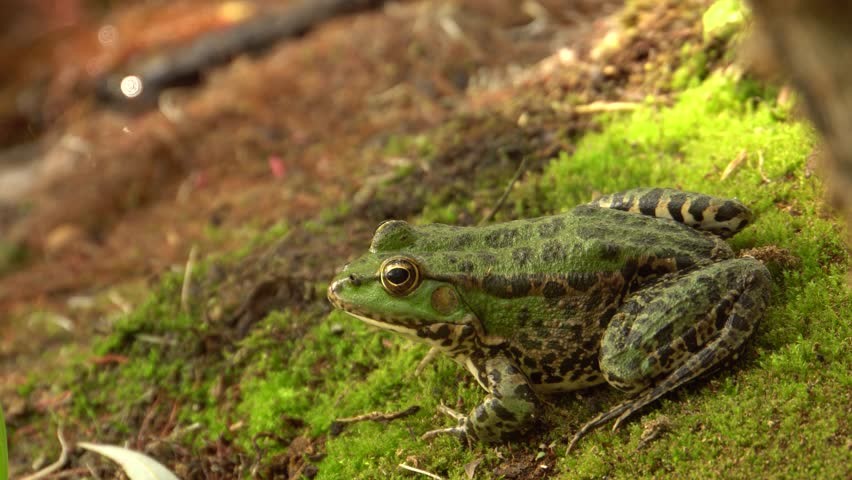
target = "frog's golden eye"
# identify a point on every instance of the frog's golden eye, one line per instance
(400, 276)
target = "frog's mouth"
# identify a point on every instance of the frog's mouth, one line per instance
(391, 327)
(406, 326)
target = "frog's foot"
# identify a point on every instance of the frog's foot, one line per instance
(715, 310)
(508, 410)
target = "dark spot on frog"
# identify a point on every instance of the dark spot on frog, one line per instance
(664, 334)
(553, 251)
(739, 323)
(461, 241)
(566, 366)
(506, 287)
(582, 281)
(690, 338)
(515, 352)
(699, 205)
(481, 413)
(523, 316)
(618, 201)
(664, 354)
(485, 258)
(442, 332)
(512, 370)
(530, 363)
(503, 413)
(609, 251)
(648, 202)
(525, 392)
(501, 238)
(466, 266)
(676, 205)
(521, 286)
(553, 289)
(535, 377)
(551, 228)
(746, 302)
(727, 211)
(521, 256)
(722, 311)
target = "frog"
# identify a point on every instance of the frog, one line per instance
(637, 289)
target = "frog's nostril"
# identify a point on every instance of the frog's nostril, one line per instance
(355, 280)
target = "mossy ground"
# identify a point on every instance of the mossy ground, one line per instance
(780, 412)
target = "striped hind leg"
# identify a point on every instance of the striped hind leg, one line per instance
(724, 217)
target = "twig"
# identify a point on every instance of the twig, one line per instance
(379, 416)
(71, 472)
(417, 470)
(598, 107)
(430, 355)
(521, 168)
(187, 278)
(63, 459)
(760, 167)
(734, 164)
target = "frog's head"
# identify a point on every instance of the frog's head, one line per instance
(391, 287)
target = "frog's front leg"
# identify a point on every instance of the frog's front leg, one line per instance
(671, 333)
(509, 409)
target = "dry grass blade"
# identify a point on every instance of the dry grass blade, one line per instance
(53, 467)
(421, 472)
(735, 164)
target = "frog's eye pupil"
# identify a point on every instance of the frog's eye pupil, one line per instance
(398, 276)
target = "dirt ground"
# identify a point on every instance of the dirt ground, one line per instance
(98, 199)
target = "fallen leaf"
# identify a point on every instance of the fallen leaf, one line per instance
(137, 466)
(470, 468)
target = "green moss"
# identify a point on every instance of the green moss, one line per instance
(723, 19)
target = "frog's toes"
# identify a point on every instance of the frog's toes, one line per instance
(460, 431)
(460, 417)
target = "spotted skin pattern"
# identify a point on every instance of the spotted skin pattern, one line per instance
(636, 289)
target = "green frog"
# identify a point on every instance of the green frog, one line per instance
(636, 289)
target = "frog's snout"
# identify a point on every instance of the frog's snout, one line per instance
(335, 290)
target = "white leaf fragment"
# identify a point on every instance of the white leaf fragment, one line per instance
(137, 466)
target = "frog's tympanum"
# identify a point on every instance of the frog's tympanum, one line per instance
(636, 289)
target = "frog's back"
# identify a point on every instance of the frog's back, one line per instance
(588, 239)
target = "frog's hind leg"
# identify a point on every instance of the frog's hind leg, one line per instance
(721, 216)
(677, 330)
